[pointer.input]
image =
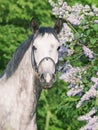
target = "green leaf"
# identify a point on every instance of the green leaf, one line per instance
(95, 27)
(88, 32)
(92, 40)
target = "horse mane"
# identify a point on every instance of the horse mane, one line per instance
(17, 57)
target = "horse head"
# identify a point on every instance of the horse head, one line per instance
(45, 46)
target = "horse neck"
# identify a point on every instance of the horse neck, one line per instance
(26, 74)
(25, 80)
(22, 89)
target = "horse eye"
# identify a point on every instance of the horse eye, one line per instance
(34, 48)
(58, 48)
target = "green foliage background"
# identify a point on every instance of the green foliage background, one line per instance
(55, 110)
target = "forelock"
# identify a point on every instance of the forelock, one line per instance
(48, 30)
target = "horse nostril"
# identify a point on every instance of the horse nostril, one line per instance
(42, 78)
(53, 77)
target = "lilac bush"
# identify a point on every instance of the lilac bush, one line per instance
(79, 39)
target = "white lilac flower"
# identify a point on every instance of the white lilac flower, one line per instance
(52, 3)
(61, 12)
(95, 10)
(95, 80)
(81, 17)
(87, 117)
(68, 9)
(91, 119)
(96, 21)
(55, 11)
(64, 5)
(87, 52)
(77, 9)
(87, 8)
(73, 19)
(72, 75)
(75, 90)
(66, 34)
(76, 16)
(67, 67)
(60, 2)
(66, 27)
(90, 14)
(91, 93)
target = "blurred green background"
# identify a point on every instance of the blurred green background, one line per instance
(55, 110)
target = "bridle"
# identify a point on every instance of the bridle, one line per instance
(34, 64)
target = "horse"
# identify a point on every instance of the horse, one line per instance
(31, 69)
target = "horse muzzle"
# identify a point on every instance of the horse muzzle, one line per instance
(47, 80)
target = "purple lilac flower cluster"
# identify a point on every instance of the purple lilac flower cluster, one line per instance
(92, 92)
(66, 34)
(73, 76)
(91, 119)
(87, 52)
(74, 14)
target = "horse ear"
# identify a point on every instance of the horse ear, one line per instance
(58, 26)
(34, 25)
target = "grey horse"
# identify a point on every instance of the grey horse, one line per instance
(32, 68)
